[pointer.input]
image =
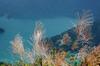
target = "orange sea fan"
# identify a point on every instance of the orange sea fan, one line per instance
(93, 59)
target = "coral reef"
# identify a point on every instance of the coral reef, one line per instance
(45, 53)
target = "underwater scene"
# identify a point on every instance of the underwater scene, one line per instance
(49, 33)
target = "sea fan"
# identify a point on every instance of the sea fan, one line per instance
(38, 40)
(83, 29)
(17, 46)
(93, 58)
(40, 47)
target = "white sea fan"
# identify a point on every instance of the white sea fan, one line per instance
(17, 45)
(83, 29)
(39, 46)
(38, 32)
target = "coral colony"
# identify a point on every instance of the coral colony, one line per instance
(45, 53)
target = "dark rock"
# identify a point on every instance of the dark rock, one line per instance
(2, 30)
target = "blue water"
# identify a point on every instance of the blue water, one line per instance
(19, 16)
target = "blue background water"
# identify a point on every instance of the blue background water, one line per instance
(19, 16)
